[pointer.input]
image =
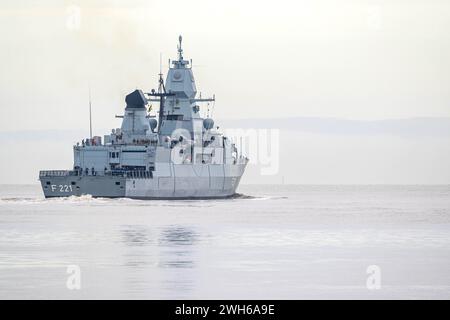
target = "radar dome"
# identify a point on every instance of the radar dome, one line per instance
(208, 123)
(153, 123)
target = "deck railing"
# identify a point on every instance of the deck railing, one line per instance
(57, 173)
(135, 174)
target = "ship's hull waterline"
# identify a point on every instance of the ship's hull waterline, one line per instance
(179, 187)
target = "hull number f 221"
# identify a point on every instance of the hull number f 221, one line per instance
(62, 188)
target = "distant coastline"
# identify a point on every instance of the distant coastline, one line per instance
(411, 127)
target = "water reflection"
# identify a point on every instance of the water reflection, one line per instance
(158, 257)
(177, 247)
(136, 236)
(178, 236)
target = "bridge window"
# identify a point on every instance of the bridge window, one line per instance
(174, 117)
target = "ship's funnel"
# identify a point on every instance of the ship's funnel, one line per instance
(135, 119)
(136, 99)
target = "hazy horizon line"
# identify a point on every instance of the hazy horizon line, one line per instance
(415, 126)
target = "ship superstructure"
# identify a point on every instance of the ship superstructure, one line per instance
(174, 154)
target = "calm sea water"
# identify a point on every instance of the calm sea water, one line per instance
(280, 242)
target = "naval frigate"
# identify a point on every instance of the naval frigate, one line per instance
(174, 153)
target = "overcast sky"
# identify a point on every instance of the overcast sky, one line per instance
(349, 59)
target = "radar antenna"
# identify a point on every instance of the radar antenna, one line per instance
(161, 87)
(180, 50)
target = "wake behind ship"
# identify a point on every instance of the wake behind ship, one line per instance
(176, 154)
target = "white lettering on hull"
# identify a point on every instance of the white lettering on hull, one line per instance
(63, 188)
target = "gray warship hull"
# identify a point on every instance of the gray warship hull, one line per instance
(209, 182)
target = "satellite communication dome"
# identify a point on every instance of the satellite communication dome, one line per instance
(208, 123)
(153, 123)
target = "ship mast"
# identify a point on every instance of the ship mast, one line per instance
(180, 50)
(161, 94)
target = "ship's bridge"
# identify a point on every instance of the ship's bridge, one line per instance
(180, 79)
(181, 111)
